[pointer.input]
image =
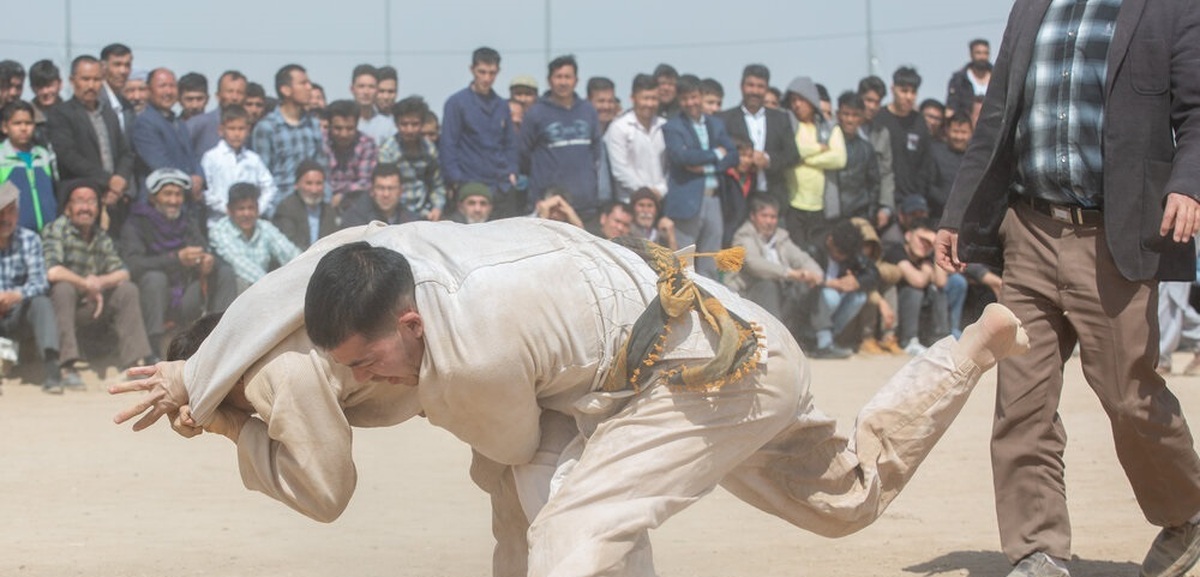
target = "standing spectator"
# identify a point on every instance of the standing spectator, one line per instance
(204, 130)
(560, 143)
(160, 138)
(178, 279)
(947, 158)
(698, 149)
(1086, 157)
(87, 139)
(433, 132)
(523, 89)
(193, 95)
(601, 93)
(769, 132)
(858, 181)
(118, 64)
(417, 158)
(934, 113)
(250, 245)
(478, 143)
(289, 135)
(773, 98)
(383, 202)
(872, 90)
(255, 103)
(304, 216)
(350, 155)
(137, 90)
(31, 168)
(474, 203)
(387, 82)
(909, 135)
(229, 162)
(635, 146)
(364, 87)
(968, 86)
(667, 79)
(46, 82)
(317, 101)
(821, 148)
(89, 283)
(23, 287)
(712, 95)
(12, 81)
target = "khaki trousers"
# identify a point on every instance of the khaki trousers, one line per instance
(1061, 281)
(761, 438)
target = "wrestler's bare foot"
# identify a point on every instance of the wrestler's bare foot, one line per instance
(995, 336)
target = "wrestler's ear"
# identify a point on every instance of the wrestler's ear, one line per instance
(411, 321)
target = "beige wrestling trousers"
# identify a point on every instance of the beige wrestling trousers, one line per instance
(593, 500)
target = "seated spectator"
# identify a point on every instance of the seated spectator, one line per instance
(555, 206)
(351, 155)
(230, 162)
(89, 284)
(165, 251)
(879, 315)
(383, 202)
(648, 222)
(23, 286)
(420, 171)
(304, 216)
(474, 203)
(615, 219)
(849, 278)
(31, 168)
(922, 316)
(251, 246)
(776, 274)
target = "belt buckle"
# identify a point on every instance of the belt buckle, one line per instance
(1062, 213)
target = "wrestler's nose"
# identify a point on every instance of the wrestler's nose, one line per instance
(361, 375)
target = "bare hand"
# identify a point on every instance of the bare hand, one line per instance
(761, 161)
(165, 393)
(435, 215)
(946, 251)
(98, 298)
(1181, 214)
(118, 184)
(197, 187)
(206, 264)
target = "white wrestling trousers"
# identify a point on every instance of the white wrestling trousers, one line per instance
(761, 438)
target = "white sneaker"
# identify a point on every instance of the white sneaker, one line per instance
(915, 348)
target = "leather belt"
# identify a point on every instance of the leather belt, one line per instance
(1070, 214)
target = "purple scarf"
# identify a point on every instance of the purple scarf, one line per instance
(165, 236)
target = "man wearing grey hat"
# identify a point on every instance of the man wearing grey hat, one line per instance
(23, 287)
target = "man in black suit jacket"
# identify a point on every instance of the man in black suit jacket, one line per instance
(1085, 185)
(769, 131)
(75, 128)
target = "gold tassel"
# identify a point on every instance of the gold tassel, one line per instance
(728, 260)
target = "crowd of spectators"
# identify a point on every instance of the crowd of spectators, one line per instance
(134, 207)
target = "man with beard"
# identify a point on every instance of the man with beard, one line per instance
(304, 216)
(768, 131)
(968, 86)
(167, 258)
(474, 203)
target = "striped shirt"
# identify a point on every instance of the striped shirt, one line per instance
(420, 175)
(63, 245)
(23, 266)
(1060, 134)
(284, 146)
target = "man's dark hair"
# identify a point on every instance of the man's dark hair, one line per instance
(906, 77)
(960, 118)
(10, 69)
(229, 75)
(920, 223)
(342, 109)
(308, 165)
(934, 103)
(193, 82)
(114, 49)
(564, 60)
(711, 86)
(14, 107)
(485, 55)
(760, 200)
(872, 84)
(82, 59)
(410, 106)
(846, 238)
(318, 88)
(284, 77)
(430, 116)
(243, 191)
(234, 112)
(43, 73)
(599, 84)
(363, 70)
(256, 90)
(356, 289)
(687, 84)
(979, 42)
(776, 92)
(386, 170)
(386, 73)
(643, 82)
(756, 71)
(609, 206)
(822, 93)
(665, 71)
(851, 100)
(185, 344)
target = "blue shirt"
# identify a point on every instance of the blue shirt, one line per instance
(284, 146)
(477, 142)
(560, 146)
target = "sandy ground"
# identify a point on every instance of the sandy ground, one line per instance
(81, 496)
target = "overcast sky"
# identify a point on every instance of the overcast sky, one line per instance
(431, 42)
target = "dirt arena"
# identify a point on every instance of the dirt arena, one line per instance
(81, 496)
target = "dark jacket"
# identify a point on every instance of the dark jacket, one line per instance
(685, 189)
(1151, 137)
(858, 182)
(960, 93)
(477, 143)
(162, 141)
(561, 147)
(780, 145)
(946, 163)
(363, 210)
(134, 245)
(911, 164)
(291, 218)
(78, 148)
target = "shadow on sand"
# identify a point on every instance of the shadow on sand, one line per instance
(995, 564)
